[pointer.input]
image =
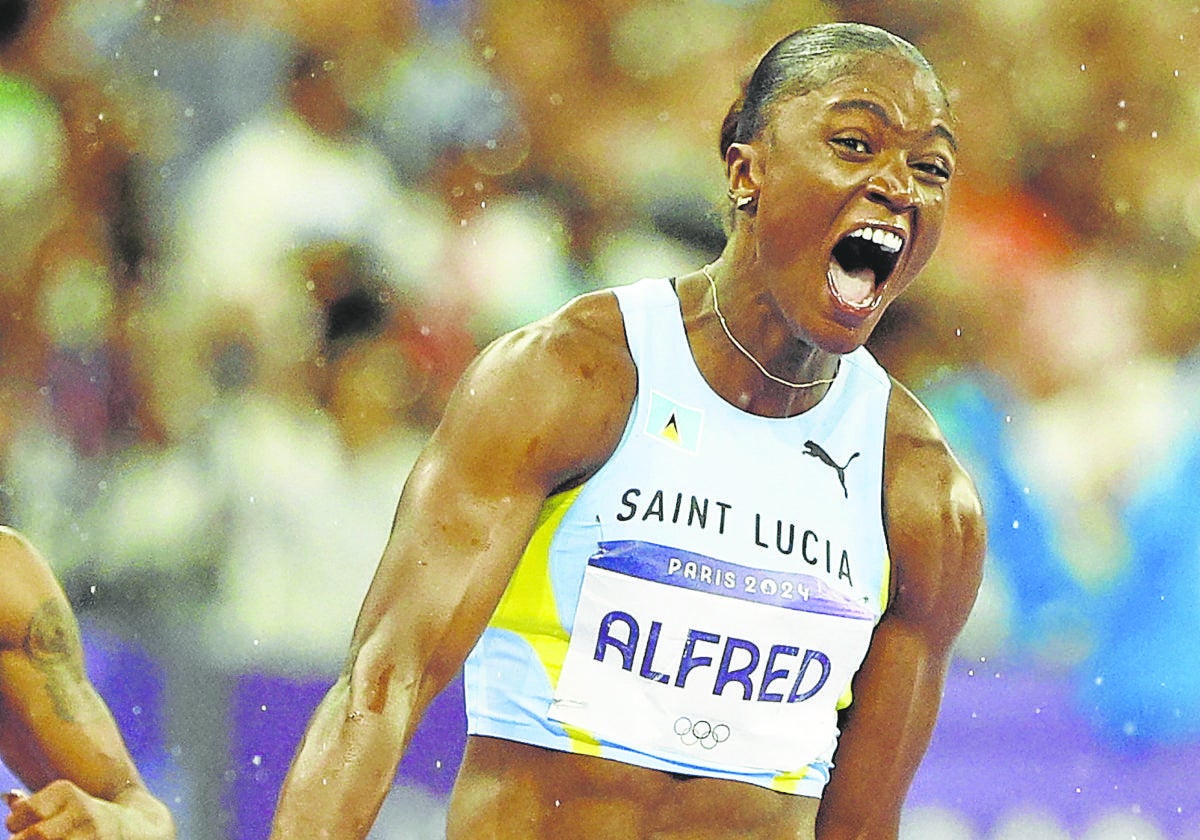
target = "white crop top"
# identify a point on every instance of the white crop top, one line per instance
(700, 604)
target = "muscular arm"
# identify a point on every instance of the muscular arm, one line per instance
(56, 733)
(541, 408)
(936, 539)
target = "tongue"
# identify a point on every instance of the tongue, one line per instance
(855, 287)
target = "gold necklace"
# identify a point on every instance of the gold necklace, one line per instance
(720, 317)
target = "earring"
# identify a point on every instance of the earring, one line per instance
(741, 202)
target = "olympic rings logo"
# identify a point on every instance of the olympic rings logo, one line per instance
(701, 732)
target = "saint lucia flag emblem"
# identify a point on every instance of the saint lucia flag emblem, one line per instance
(673, 423)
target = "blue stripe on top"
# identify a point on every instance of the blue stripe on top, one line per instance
(688, 570)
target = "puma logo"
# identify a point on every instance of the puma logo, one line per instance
(814, 449)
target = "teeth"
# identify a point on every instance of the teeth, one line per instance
(885, 239)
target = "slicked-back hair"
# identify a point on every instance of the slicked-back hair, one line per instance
(804, 61)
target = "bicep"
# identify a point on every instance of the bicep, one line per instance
(936, 540)
(885, 731)
(518, 426)
(452, 548)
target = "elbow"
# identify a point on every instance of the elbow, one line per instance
(375, 685)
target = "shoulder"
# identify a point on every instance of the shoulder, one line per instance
(19, 560)
(26, 584)
(557, 391)
(935, 523)
(580, 347)
(587, 328)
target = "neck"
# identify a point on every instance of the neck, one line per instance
(773, 376)
(746, 353)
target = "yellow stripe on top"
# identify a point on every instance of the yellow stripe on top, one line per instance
(790, 782)
(527, 607)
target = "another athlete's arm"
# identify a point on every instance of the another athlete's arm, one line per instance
(56, 733)
(936, 540)
(539, 409)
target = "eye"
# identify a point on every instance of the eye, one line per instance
(855, 145)
(934, 170)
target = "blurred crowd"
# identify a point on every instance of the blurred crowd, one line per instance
(249, 247)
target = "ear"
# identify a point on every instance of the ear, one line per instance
(741, 171)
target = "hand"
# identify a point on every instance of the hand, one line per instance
(61, 810)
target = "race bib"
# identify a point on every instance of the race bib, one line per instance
(677, 653)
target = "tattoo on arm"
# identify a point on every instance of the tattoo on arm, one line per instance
(52, 645)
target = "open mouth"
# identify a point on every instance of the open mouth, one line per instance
(862, 262)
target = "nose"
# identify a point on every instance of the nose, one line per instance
(893, 187)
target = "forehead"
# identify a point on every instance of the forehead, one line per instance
(888, 86)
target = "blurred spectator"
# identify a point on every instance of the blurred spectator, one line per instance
(293, 242)
(1055, 334)
(292, 179)
(66, 283)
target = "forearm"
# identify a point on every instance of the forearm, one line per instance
(342, 771)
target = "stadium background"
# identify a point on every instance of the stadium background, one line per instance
(247, 248)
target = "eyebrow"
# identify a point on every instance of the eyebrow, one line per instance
(875, 108)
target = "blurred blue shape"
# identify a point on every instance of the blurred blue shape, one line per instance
(1142, 685)
(130, 680)
(1049, 603)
